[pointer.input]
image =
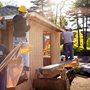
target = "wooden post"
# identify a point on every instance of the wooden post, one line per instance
(55, 44)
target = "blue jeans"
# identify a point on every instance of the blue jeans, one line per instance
(22, 40)
(3, 79)
(25, 59)
(69, 50)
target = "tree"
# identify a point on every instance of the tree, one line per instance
(44, 8)
(7, 2)
(76, 40)
(39, 6)
(1, 4)
(81, 14)
(59, 7)
(88, 42)
(82, 3)
(62, 22)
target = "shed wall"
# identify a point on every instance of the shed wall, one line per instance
(36, 40)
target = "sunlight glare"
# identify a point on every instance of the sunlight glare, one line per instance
(55, 1)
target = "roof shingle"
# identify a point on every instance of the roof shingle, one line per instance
(8, 10)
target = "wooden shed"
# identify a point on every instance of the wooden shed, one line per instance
(39, 28)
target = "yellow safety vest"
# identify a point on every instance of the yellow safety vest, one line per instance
(26, 49)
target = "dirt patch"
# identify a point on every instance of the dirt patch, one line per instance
(80, 83)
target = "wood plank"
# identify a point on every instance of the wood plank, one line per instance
(54, 69)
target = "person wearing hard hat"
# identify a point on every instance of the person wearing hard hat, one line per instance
(21, 26)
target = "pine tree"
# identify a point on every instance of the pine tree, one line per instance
(42, 7)
(39, 6)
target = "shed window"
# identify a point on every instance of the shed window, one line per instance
(46, 44)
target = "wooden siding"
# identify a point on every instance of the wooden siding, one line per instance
(7, 36)
(55, 47)
(36, 40)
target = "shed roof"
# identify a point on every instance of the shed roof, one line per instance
(9, 11)
(44, 21)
